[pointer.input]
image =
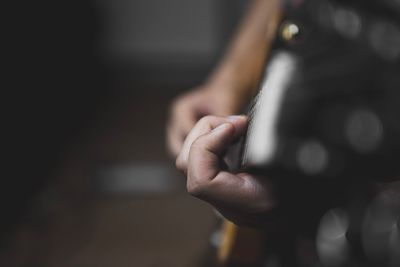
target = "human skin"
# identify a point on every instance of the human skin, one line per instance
(233, 82)
(242, 198)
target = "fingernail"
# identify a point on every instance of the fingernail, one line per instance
(236, 117)
(221, 127)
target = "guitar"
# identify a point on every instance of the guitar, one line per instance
(326, 120)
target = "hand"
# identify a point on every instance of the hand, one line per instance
(242, 198)
(210, 99)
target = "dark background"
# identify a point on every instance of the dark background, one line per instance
(86, 89)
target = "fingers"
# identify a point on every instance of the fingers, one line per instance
(240, 197)
(182, 119)
(205, 125)
(207, 181)
(177, 130)
(174, 141)
(222, 131)
(187, 109)
(243, 194)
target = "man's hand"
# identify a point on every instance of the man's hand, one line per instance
(242, 198)
(234, 80)
(209, 99)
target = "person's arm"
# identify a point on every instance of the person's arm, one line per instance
(240, 69)
(232, 82)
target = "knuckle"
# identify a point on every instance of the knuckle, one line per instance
(206, 119)
(196, 188)
(181, 164)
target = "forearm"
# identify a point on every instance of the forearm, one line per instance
(242, 65)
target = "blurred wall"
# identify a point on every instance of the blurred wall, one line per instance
(150, 29)
(68, 60)
(174, 40)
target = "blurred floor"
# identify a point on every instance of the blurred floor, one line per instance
(72, 224)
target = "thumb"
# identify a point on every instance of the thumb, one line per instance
(205, 153)
(221, 137)
(218, 140)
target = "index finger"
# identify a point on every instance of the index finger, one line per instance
(204, 126)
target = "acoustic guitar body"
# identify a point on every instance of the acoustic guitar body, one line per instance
(325, 127)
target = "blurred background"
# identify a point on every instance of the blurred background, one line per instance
(87, 181)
